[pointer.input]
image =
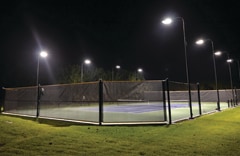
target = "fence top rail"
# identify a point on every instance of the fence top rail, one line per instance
(19, 88)
(135, 81)
(182, 83)
(54, 85)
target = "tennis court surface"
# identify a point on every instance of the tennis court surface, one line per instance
(103, 102)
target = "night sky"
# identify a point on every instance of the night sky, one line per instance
(109, 32)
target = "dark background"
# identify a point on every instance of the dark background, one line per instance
(110, 32)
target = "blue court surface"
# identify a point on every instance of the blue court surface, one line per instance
(134, 108)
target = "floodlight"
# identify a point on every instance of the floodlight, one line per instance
(43, 54)
(218, 53)
(118, 67)
(167, 21)
(199, 42)
(229, 60)
(87, 61)
(140, 70)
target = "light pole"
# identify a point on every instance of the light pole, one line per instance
(41, 54)
(87, 61)
(116, 67)
(237, 60)
(168, 21)
(200, 42)
(238, 68)
(229, 61)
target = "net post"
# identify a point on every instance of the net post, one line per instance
(100, 102)
(169, 105)
(164, 100)
(199, 99)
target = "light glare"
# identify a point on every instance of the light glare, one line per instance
(140, 70)
(218, 53)
(167, 21)
(43, 54)
(229, 60)
(199, 42)
(87, 61)
(118, 67)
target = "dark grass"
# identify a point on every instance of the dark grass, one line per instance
(214, 134)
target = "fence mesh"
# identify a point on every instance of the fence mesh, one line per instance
(123, 101)
(133, 101)
(202, 101)
(21, 100)
(180, 102)
(72, 101)
(138, 91)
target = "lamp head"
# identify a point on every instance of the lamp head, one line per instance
(200, 42)
(229, 60)
(87, 61)
(167, 21)
(218, 53)
(43, 54)
(140, 70)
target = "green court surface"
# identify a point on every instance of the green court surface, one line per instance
(122, 112)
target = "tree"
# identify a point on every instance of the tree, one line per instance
(72, 74)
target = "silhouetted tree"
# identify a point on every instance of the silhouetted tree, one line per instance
(72, 74)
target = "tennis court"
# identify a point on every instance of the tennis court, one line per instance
(120, 113)
(115, 102)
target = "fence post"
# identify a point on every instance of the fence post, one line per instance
(169, 104)
(164, 100)
(2, 99)
(100, 102)
(190, 101)
(235, 96)
(199, 99)
(38, 101)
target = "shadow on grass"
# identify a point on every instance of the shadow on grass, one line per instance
(62, 123)
(55, 123)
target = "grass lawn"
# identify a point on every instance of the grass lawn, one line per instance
(214, 134)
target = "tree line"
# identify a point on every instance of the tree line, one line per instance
(72, 74)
